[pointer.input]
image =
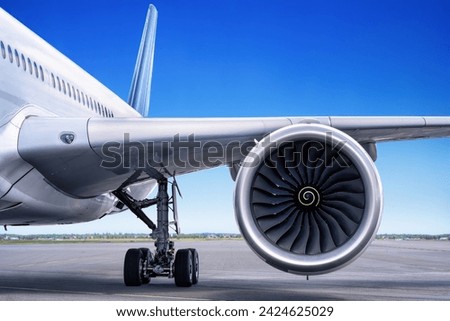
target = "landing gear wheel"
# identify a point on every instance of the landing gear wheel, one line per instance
(196, 266)
(184, 268)
(146, 256)
(133, 269)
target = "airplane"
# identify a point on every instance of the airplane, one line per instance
(308, 197)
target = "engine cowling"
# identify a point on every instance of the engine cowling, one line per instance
(308, 199)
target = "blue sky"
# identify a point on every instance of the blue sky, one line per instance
(273, 58)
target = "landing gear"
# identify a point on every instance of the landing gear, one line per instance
(140, 265)
(135, 267)
(184, 268)
(196, 266)
(146, 257)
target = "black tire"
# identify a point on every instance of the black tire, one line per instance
(183, 268)
(132, 268)
(146, 257)
(195, 266)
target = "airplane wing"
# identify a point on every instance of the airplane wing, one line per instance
(88, 157)
(380, 129)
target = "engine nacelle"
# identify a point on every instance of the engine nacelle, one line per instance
(308, 199)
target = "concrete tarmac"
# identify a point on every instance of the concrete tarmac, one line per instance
(388, 270)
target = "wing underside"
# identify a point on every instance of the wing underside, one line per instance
(88, 157)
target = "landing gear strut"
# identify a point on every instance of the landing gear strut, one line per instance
(140, 264)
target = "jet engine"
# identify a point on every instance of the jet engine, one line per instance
(308, 199)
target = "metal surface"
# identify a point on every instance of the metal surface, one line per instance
(144, 148)
(139, 97)
(295, 261)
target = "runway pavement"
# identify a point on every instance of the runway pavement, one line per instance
(388, 270)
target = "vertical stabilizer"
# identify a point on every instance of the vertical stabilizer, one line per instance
(139, 97)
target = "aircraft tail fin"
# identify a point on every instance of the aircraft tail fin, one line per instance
(139, 96)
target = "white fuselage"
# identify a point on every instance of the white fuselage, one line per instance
(37, 80)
